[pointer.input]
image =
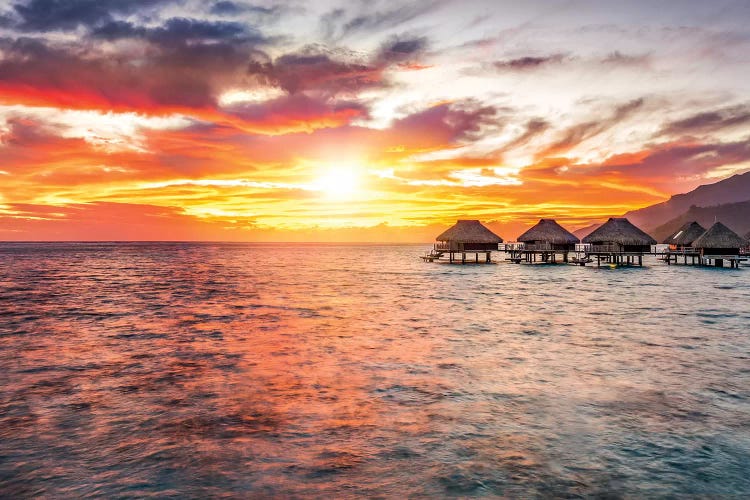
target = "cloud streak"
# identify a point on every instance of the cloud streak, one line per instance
(528, 62)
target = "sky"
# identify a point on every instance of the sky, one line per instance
(360, 120)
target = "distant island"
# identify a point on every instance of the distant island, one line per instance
(727, 201)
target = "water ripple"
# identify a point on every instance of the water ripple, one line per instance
(208, 370)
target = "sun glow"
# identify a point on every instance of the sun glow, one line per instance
(339, 182)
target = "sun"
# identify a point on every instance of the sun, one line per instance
(339, 182)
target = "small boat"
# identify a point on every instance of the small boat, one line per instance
(432, 256)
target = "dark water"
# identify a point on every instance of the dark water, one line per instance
(203, 370)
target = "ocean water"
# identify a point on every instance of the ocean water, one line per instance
(229, 370)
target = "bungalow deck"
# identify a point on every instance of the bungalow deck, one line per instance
(580, 255)
(543, 254)
(692, 257)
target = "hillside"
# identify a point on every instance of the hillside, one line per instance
(736, 216)
(585, 231)
(727, 201)
(728, 191)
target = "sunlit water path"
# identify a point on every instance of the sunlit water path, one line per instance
(259, 370)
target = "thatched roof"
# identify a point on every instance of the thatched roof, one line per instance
(686, 234)
(719, 236)
(619, 230)
(550, 231)
(469, 231)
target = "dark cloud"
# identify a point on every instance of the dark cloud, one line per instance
(114, 30)
(298, 111)
(227, 8)
(617, 58)
(335, 71)
(315, 68)
(708, 121)
(180, 30)
(528, 62)
(46, 15)
(449, 122)
(182, 76)
(400, 49)
(184, 63)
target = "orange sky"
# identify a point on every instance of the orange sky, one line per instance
(165, 120)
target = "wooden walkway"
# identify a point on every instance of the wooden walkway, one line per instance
(517, 253)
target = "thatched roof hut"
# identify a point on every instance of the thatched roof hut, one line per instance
(468, 235)
(547, 234)
(685, 236)
(719, 240)
(619, 235)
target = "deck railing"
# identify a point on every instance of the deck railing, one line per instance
(543, 246)
(683, 251)
(611, 248)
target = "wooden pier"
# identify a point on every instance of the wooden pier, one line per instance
(693, 257)
(532, 254)
(453, 257)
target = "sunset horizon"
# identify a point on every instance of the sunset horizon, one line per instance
(232, 121)
(389, 249)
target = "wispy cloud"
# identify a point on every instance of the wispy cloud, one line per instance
(709, 121)
(528, 62)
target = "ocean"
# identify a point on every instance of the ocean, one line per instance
(196, 370)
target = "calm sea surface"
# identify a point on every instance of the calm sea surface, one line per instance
(203, 370)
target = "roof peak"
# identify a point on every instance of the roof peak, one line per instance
(550, 231)
(469, 231)
(719, 236)
(619, 230)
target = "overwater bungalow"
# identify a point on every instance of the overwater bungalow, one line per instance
(684, 237)
(618, 241)
(546, 239)
(718, 244)
(681, 243)
(466, 236)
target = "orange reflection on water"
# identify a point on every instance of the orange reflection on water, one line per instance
(210, 370)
